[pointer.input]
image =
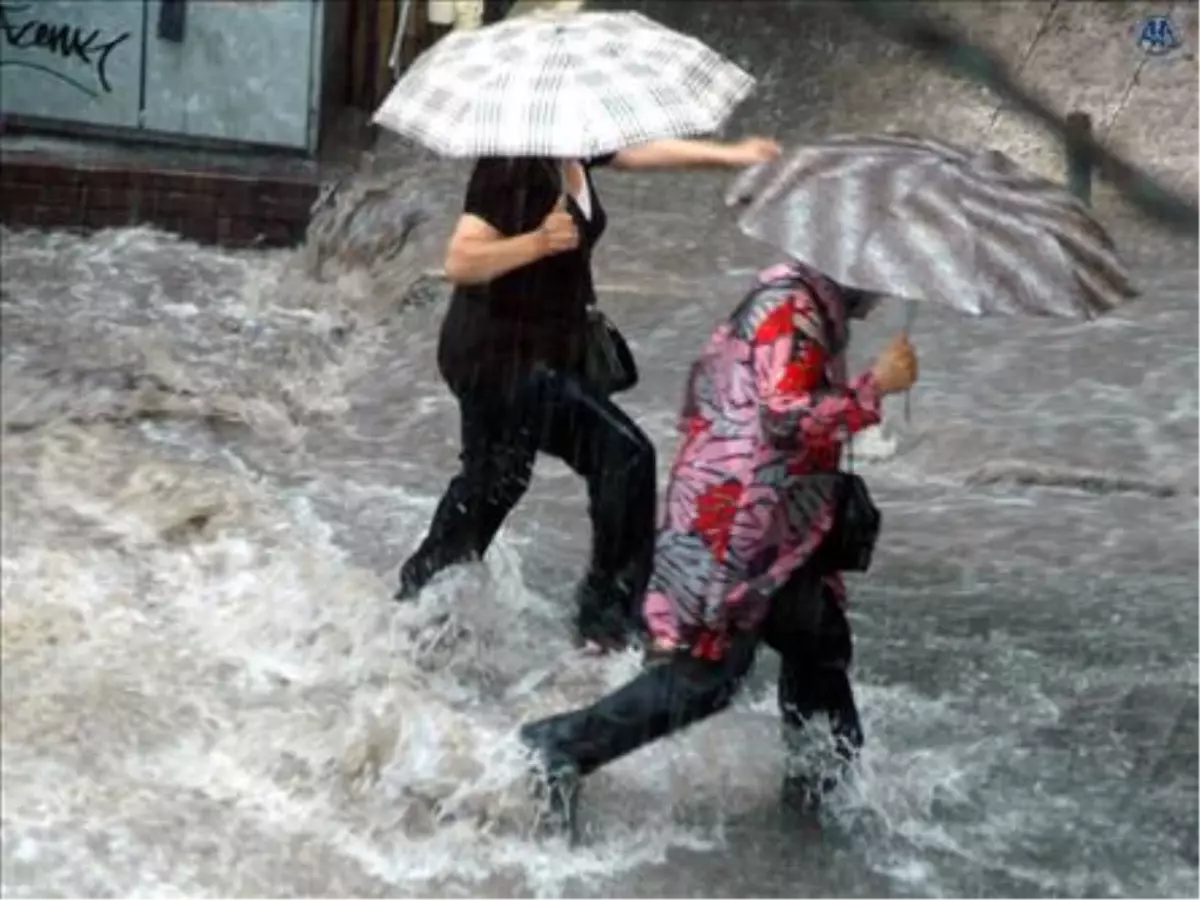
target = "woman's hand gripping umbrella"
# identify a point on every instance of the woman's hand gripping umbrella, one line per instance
(909, 217)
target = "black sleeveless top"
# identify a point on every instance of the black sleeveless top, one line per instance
(536, 314)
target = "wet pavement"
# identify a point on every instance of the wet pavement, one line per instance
(214, 463)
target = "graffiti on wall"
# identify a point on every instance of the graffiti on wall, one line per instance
(71, 53)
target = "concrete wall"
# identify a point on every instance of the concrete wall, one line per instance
(78, 61)
(243, 72)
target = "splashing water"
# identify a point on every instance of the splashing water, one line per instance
(201, 690)
(213, 462)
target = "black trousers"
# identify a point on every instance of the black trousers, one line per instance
(555, 413)
(806, 627)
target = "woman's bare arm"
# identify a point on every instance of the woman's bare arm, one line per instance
(478, 253)
(679, 153)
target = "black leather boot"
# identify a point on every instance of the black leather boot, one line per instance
(604, 614)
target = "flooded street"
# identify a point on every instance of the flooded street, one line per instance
(214, 463)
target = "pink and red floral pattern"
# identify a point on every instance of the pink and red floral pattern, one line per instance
(765, 415)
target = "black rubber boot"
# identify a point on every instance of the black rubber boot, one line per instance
(555, 787)
(800, 794)
(604, 613)
(412, 579)
(424, 565)
(805, 785)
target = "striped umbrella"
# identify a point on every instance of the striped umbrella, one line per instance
(563, 86)
(909, 217)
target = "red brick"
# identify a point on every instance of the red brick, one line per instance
(117, 179)
(139, 202)
(21, 170)
(183, 203)
(233, 231)
(191, 182)
(228, 207)
(102, 197)
(278, 233)
(56, 216)
(201, 230)
(63, 194)
(237, 231)
(19, 194)
(21, 217)
(100, 217)
(53, 174)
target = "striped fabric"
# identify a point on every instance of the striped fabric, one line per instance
(915, 218)
(565, 86)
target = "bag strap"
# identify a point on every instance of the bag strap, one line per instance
(831, 345)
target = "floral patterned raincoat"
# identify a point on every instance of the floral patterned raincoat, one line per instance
(767, 409)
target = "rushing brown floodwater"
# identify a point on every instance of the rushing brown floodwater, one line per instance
(212, 465)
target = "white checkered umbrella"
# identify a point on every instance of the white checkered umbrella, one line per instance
(562, 86)
(910, 217)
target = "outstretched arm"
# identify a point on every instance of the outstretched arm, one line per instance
(692, 154)
(796, 402)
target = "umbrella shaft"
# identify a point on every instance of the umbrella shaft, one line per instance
(910, 316)
(910, 319)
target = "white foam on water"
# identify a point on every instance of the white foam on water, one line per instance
(206, 690)
(247, 664)
(204, 693)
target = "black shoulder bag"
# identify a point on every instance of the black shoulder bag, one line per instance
(608, 364)
(850, 543)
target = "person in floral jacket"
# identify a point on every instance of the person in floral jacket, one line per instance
(767, 409)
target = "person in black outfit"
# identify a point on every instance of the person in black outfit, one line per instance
(511, 350)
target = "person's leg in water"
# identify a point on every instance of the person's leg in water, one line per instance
(664, 698)
(499, 445)
(812, 635)
(557, 414)
(601, 443)
(810, 632)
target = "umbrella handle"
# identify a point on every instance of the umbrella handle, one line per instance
(910, 318)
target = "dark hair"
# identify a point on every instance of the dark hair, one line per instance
(859, 303)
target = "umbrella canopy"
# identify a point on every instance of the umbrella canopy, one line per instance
(565, 86)
(924, 220)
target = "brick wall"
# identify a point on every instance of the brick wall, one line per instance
(220, 207)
